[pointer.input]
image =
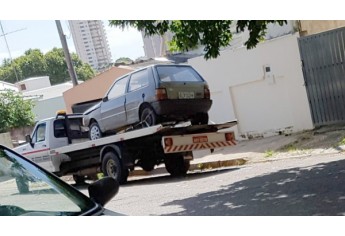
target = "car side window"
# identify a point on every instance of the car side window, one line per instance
(119, 88)
(138, 80)
(40, 133)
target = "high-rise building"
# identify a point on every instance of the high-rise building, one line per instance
(91, 42)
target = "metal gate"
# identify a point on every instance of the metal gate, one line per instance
(323, 58)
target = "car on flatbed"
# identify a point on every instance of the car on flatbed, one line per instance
(150, 96)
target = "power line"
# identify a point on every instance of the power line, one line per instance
(8, 49)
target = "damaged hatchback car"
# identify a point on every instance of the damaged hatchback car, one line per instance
(149, 96)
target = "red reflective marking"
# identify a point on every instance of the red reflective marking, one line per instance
(185, 148)
(181, 147)
(42, 150)
(175, 148)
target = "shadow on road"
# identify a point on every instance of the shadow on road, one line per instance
(164, 178)
(169, 179)
(314, 190)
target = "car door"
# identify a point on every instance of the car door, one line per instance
(38, 150)
(139, 90)
(113, 114)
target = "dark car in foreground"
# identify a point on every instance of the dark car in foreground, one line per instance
(148, 96)
(28, 190)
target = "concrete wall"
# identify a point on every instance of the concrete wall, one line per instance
(308, 27)
(5, 139)
(263, 103)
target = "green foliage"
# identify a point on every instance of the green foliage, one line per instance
(189, 34)
(269, 153)
(125, 60)
(34, 63)
(14, 111)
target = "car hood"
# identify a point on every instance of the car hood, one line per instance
(91, 109)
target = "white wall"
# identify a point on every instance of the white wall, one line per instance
(47, 108)
(263, 104)
(35, 83)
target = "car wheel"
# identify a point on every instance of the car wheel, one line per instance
(200, 119)
(148, 117)
(95, 132)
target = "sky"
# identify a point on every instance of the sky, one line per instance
(43, 34)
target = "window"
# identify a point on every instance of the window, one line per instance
(59, 129)
(138, 80)
(22, 87)
(119, 88)
(40, 133)
(177, 73)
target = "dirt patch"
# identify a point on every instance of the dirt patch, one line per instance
(315, 141)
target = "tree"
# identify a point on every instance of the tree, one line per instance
(35, 63)
(124, 60)
(212, 34)
(14, 111)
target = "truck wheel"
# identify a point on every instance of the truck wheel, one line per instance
(22, 185)
(200, 119)
(111, 166)
(79, 180)
(148, 117)
(148, 166)
(176, 165)
(95, 132)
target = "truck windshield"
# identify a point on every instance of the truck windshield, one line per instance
(26, 189)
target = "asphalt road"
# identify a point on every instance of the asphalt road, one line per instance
(305, 186)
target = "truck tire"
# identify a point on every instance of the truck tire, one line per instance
(22, 185)
(112, 166)
(94, 131)
(79, 180)
(176, 165)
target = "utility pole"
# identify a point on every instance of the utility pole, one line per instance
(70, 66)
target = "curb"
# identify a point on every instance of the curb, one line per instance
(197, 166)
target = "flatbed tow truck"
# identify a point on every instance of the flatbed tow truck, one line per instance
(60, 145)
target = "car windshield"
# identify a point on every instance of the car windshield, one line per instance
(178, 74)
(26, 189)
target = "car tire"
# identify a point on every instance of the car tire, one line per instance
(94, 131)
(148, 117)
(200, 119)
(111, 166)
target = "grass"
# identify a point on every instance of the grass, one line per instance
(269, 153)
(341, 142)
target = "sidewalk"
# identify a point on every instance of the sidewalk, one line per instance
(326, 140)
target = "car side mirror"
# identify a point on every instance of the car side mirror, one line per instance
(28, 139)
(103, 190)
(105, 99)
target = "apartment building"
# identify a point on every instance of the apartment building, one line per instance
(91, 42)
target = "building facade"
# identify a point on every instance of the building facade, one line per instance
(91, 42)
